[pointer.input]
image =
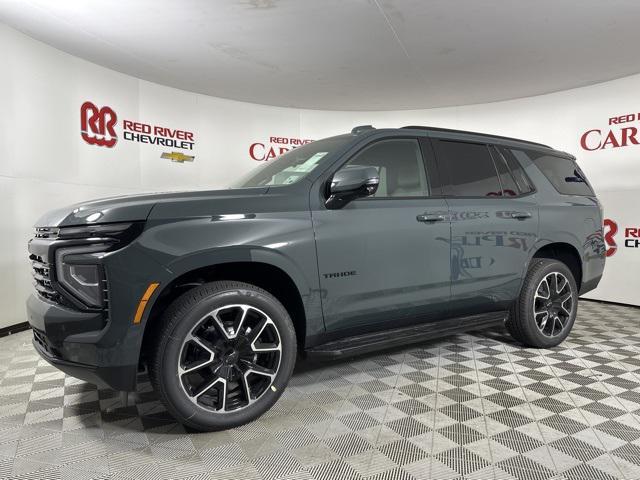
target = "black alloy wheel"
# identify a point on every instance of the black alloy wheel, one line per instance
(223, 356)
(546, 309)
(230, 358)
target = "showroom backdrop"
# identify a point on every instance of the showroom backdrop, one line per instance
(71, 130)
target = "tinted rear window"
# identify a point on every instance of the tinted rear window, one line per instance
(471, 169)
(563, 173)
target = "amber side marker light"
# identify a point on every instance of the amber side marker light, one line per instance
(143, 301)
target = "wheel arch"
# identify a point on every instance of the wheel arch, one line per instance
(286, 286)
(564, 252)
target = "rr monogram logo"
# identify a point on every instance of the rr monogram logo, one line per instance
(97, 125)
(612, 229)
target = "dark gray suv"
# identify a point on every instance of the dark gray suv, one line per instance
(357, 242)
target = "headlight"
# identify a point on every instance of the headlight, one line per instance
(80, 275)
(78, 271)
(116, 232)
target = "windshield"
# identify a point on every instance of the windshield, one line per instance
(293, 165)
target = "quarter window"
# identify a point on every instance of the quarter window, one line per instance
(512, 176)
(521, 179)
(471, 169)
(400, 166)
(509, 187)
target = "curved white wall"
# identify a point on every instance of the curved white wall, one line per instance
(46, 164)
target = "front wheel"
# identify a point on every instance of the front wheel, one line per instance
(546, 310)
(225, 354)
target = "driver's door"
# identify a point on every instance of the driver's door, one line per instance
(384, 260)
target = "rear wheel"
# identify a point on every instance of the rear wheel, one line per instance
(545, 312)
(224, 356)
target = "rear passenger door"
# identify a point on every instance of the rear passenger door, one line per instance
(494, 223)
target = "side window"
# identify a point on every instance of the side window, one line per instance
(509, 187)
(400, 165)
(471, 169)
(563, 173)
(521, 179)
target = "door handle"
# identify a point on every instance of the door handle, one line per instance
(520, 215)
(427, 218)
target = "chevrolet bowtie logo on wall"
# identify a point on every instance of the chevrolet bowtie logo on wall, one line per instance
(178, 157)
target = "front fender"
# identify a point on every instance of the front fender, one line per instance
(282, 241)
(253, 253)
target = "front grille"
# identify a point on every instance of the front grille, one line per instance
(47, 232)
(42, 340)
(41, 272)
(105, 297)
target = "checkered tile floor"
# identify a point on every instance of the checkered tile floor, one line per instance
(473, 406)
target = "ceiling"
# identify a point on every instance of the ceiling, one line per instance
(347, 54)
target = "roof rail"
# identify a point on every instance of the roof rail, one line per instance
(451, 130)
(361, 128)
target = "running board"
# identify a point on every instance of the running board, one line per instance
(370, 342)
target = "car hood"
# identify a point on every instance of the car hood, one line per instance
(129, 208)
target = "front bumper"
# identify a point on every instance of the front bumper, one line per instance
(70, 341)
(109, 377)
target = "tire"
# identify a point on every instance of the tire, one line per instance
(533, 330)
(217, 342)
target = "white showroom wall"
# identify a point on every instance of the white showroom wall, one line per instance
(45, 163)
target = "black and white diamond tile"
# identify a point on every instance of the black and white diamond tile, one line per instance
(472, 406)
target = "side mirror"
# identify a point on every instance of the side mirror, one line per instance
(352, 182)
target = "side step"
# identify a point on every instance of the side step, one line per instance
(370, 342)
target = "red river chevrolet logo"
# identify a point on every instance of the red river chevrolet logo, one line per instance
(276, 146)
(611, 228)
(97, 125)
(631, 236)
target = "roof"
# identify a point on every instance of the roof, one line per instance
(449, 130)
